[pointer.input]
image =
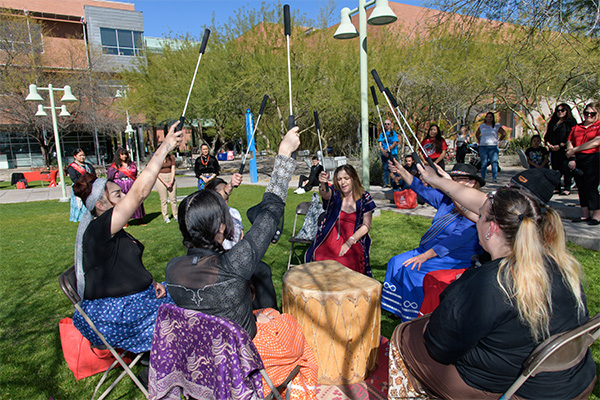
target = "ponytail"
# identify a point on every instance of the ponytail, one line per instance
(535, 236)
(526, 281)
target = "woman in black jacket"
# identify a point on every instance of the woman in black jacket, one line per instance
(556, 137)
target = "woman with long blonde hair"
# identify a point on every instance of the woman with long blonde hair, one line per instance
(491, 318)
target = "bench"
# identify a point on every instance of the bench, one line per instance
(34, 176)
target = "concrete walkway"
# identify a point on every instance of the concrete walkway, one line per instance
(567, 206)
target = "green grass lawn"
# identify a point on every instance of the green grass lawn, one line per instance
(36, 246)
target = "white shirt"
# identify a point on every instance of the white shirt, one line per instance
(489, 134)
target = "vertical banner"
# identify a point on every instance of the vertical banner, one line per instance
(252, 146)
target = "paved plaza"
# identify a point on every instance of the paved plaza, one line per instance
(568, 206)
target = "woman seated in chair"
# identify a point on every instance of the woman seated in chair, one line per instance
(490, 319)
(450, 243)
(119, 294)
(214, 281)
(343, 235)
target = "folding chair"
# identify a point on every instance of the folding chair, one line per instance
(199, 355)
(523, 158)
(558, 352)
(68, 283)
(302, 209)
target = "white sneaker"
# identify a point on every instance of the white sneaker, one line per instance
(167, 221)
(176, 220)
(300, 191)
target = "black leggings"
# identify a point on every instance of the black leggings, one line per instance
(587, 183)
(264, 291)
(560, 163)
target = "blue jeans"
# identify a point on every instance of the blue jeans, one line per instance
(386, 168)
(489, 155)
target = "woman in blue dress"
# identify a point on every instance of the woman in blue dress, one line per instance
(449, 243)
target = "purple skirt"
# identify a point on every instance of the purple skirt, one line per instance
(125, 185)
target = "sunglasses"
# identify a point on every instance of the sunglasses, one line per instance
(589, 113)
(561, 110)
(387, 124)
(490, 197)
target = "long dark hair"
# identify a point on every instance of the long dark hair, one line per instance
(555, 118)
(357, 187)
(493, 118)
(437, 141)
(117, 159)
(200, 217)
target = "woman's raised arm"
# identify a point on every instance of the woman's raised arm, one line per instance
(142, 187)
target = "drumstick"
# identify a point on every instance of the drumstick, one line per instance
(202, 49)
(394, 108)
(288, 31)
(260, 113)
(379, 113)
(412, 149)
(291, 123)
(318, 126)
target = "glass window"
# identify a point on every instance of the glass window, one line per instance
(125, 39)
(108, 37)
(121, 42)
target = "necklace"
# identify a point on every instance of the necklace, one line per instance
(205, 163)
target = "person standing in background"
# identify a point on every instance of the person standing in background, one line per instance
(583, 148)
(76, 170)
(388, 146)
(206, 167)
(460, 143)
(557, 134)
(123, 172)
(166, 185)
(488, 135)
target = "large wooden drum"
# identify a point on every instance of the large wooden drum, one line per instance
(340, 314)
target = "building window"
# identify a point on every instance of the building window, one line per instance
(121, 42)
(19, 36)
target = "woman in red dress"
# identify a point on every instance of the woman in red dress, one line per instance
(344, 234)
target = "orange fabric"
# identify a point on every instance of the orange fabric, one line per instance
(282, 346)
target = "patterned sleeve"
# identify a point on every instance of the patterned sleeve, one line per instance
(368, 203)
(248, 252)
(282, 174)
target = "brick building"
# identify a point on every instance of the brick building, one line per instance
(67, 37)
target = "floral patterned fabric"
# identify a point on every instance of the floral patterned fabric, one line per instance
(202, 356)
(401, 386)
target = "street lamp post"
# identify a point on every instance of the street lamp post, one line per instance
(129, 130)
(381, 15)
(67, 98)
